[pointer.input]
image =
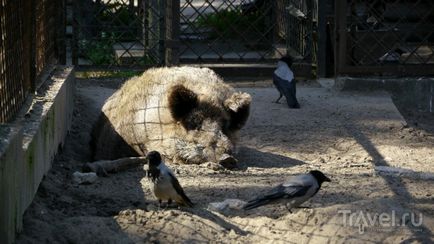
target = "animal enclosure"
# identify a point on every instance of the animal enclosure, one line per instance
(376, 147)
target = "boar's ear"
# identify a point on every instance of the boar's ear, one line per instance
(238, 106)
(181, 102)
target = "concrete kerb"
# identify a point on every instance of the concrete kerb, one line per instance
(415, 92)
(29, 144)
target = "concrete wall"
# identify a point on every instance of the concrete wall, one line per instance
(415, 92)
(28, 146)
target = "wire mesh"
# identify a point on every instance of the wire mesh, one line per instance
(30, 36)
(387, 37)
(13, 84)
(230, 31)
(46, 33)
(297, 24)
(251, 31)
(118, 32)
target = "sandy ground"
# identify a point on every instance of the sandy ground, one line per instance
(382, 170)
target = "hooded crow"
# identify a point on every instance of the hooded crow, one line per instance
(283, 80)
(164, 183)
(295, 191)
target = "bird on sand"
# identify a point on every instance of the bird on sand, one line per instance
(165, 186)
(293, 192)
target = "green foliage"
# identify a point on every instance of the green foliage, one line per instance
(100, 51)
(117, 23)
(147, 60)
(107, 74)
(121, 20)
(233, 23)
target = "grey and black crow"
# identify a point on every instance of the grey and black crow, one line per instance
(164, 183)
(295, 191)
(283, 80)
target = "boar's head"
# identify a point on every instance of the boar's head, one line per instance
(206, 131)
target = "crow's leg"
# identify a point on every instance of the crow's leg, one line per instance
(278, 99)
(278, 84)
(287, 207)
(167, 204)
(159, 204)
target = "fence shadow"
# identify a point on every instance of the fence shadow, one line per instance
(395, 184)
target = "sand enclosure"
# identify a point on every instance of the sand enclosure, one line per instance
(380, 167)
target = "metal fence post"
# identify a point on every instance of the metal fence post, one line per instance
(161, 16)
(172, 36)
(75, 32)
(61, 32)
(32, 61)
(322, 38)
(341, 38)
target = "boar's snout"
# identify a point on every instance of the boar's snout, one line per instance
(228, 161)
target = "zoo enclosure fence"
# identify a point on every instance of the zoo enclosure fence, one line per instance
(139, 33)
(32, 41)
(371, 37)
(387, 38)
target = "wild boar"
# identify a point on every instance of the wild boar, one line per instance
(188, 114)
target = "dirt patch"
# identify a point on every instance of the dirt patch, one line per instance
(346, 135)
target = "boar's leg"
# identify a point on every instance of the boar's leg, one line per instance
(103, 167)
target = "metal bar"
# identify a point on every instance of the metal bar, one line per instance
(389, 70)
(322, 38)
(174, 57)
(62, 33)
(341, 38)
(32, 62)
(75, 31)
(162, 31)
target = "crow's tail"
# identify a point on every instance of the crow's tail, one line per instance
(187, 201)
(256, 203)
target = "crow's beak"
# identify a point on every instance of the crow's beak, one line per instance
(327, 179)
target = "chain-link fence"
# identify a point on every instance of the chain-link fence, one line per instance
(118, 33)
(393, 37)
(127, 33)
(297, 26)
(31, 40)
(245, 31)
(228, 31)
